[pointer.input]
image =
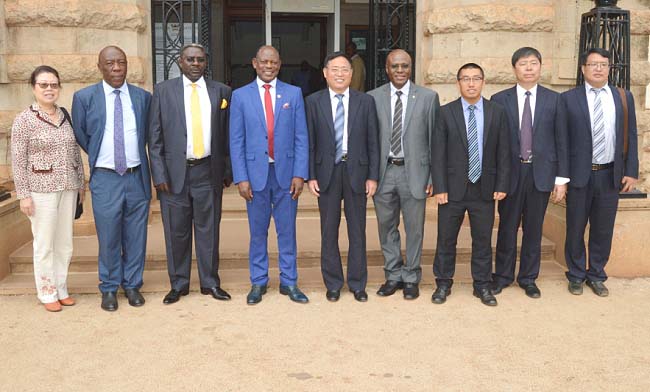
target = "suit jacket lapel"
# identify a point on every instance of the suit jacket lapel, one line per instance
(180, 101)
(409, 107)
(258, 107)
(279, 96)
(135, 105)
(215, 97)
(101, 103)
(353, 108)
(459, 117)
(582, 101)
(326, 111)
(512, 107)
(487, 120)
(618, 105)
(540, 102)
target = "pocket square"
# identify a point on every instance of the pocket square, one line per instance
(286, 105)
(224, 103)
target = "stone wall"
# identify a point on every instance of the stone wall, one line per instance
(68, 35)
(487, 32)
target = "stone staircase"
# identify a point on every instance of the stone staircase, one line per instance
(234, 252)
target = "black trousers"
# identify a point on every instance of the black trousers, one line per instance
(354, 205)
(596, 204)
(450, 219)
(199, 205)
(526, 206)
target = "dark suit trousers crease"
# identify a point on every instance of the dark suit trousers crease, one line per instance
(527, 206)
(198, 204)
(450, 218)
(394, 196)
(329, 205)
(596, 204)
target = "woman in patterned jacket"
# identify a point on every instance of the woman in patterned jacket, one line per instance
(48, 174)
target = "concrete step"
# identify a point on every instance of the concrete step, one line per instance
(237, 280)
(234, 246)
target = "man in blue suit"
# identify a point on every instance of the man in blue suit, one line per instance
(110, 124)
(269, 154)
(538, 166)
(600, 165)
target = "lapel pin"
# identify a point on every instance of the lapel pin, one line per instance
(286, 105)
(279, 96)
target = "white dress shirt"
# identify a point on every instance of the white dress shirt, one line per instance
(272, 92)
(393, 100)
(521, 100)
(346, 106)
(206, 109)
(609, 117)
(106, 156)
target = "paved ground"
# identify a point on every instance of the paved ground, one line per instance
(555, 343)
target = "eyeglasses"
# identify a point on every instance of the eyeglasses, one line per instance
(466, 79)
(45, 85)
(193, 59)
(343, 71)
(597, 65)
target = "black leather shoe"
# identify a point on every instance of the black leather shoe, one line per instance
(333, 295)
(255, 295)
(360, 295)
(440, 295)
(411, 291)
(389, 288)
(496, 288)
(174, 296)
(575, 288)
(109, 301)
(598, 288)
(294, 294)
(485, 296)
(531, 290)
(134, 296)
(216, 292)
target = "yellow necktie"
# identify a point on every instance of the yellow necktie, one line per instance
(197, 127)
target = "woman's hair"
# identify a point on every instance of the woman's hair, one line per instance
(43, 69)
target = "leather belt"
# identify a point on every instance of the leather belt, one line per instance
(396, 161)
(195, 162)
(128, 170)
(529, 160)
(597, 166)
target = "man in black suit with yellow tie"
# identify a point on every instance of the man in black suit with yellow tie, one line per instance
(599, 166)
(538, 165)
(470, 169)
(343, 165)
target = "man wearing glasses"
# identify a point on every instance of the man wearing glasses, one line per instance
(343, 165)
(188, 148)
(470, 168)
(601, 165)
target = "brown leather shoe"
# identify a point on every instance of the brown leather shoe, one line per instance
(52, 306)
(67, 301)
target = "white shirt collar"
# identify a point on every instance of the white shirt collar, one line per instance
(346, 93)
(261, 83)
(405, 88)
(588, 88)
(108, 89)
(188, 83)
(521, 91)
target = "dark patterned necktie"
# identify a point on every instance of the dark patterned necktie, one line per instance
(118, 136)
(526, 138)
(396, 135)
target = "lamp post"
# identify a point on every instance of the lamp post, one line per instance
(607, 26)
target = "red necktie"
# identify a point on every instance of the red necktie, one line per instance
(268, 108)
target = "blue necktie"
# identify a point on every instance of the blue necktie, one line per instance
(474, 172)
(339, 122)
(118, 136)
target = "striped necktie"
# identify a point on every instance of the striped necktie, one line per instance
(598, 128)
(474, 171)
(339, 122)
(396, 136)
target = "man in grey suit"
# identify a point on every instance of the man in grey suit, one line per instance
(188, 147)
(406, 114)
